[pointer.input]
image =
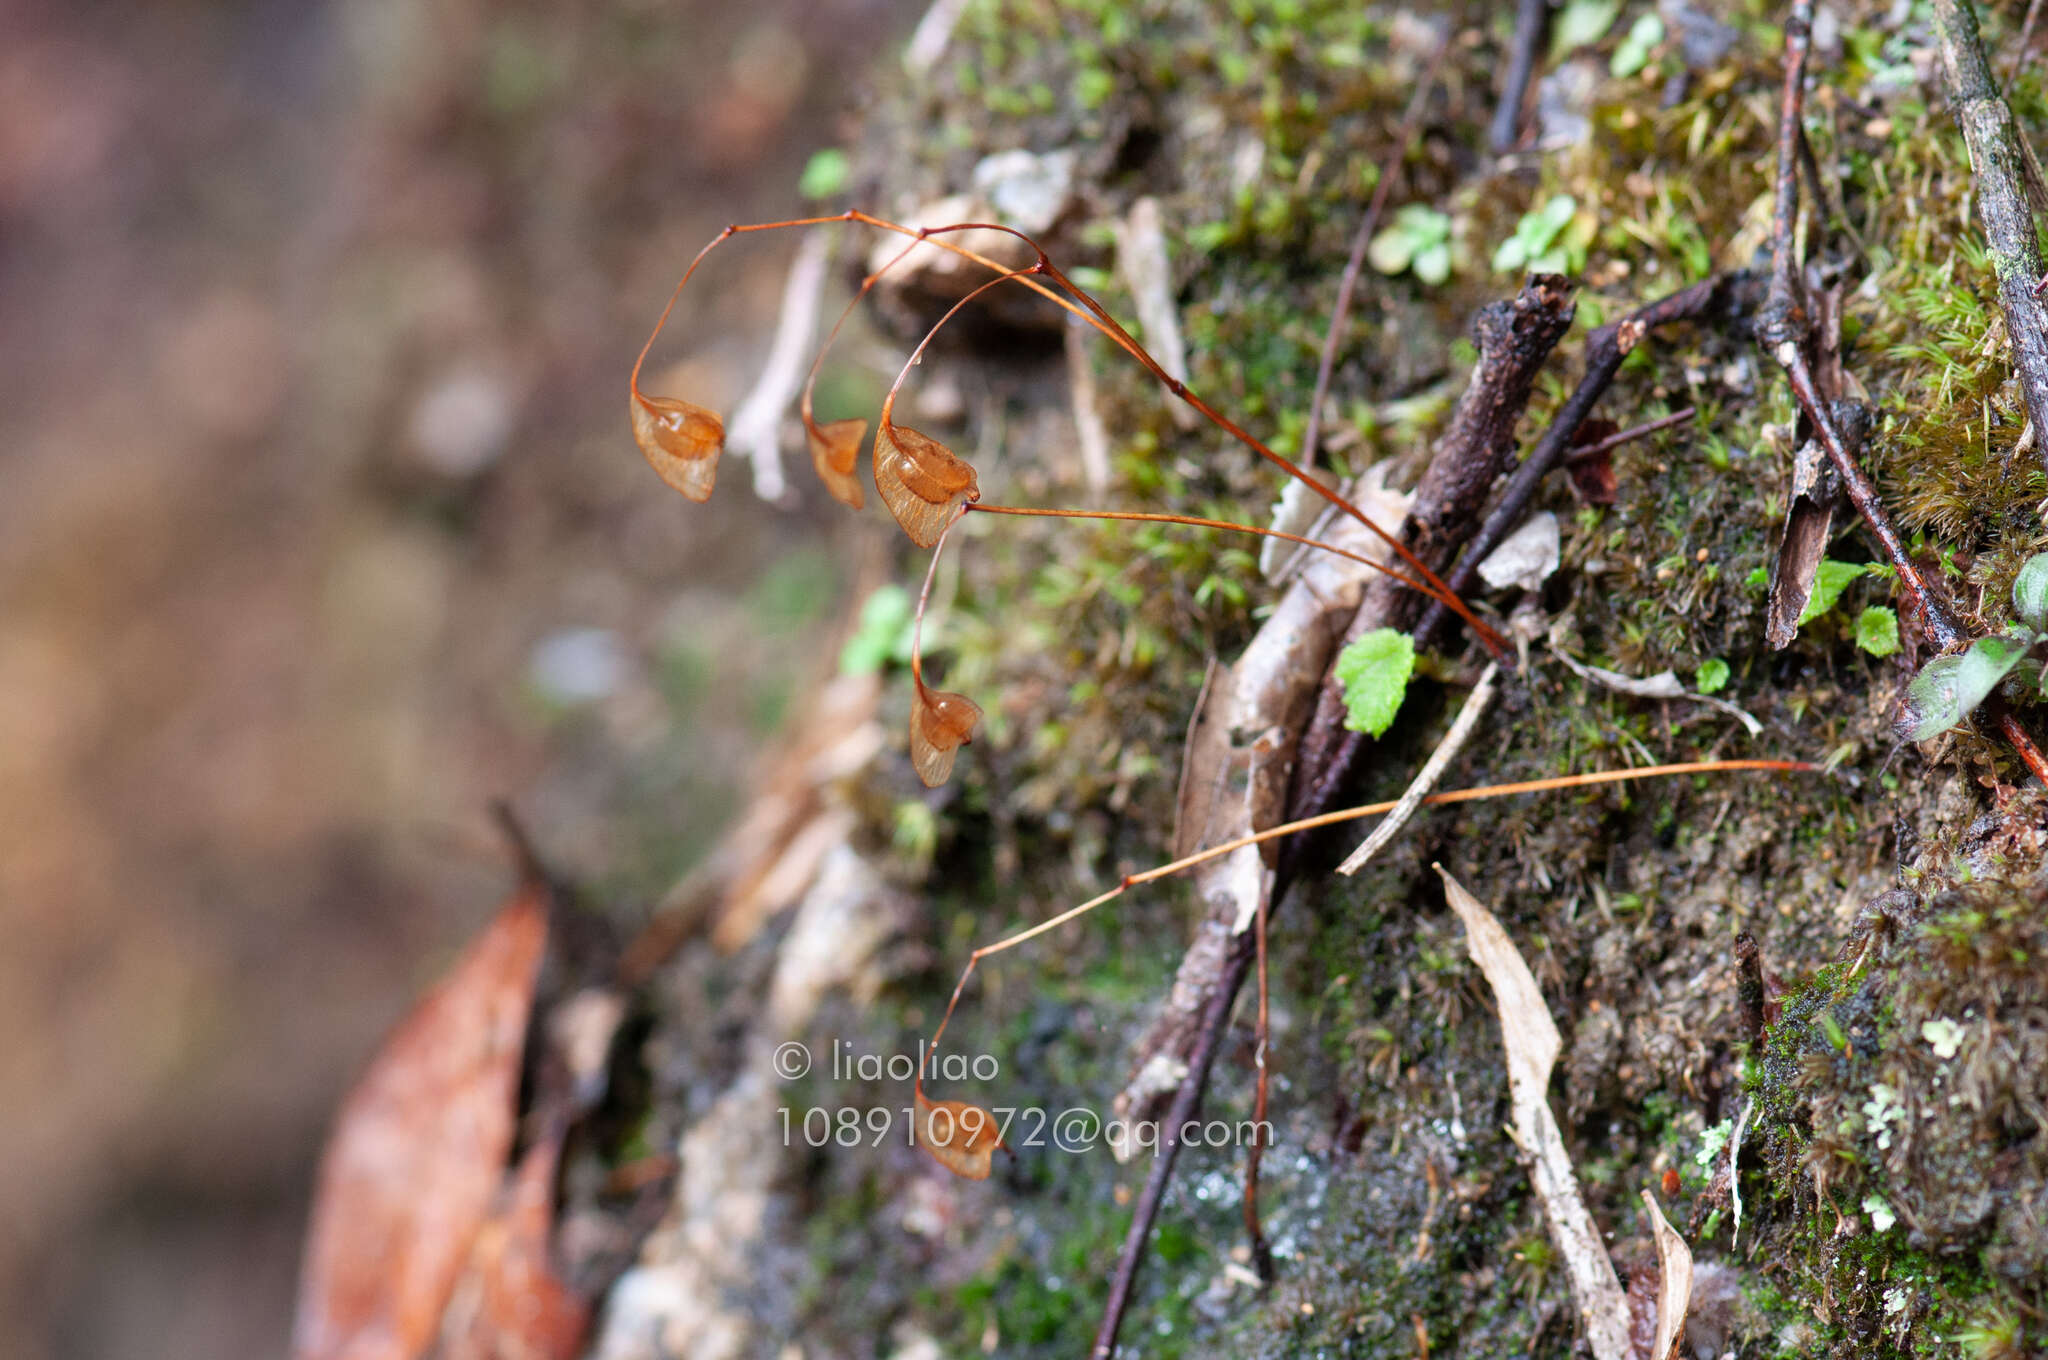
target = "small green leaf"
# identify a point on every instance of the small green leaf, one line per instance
(1374, 672)
(825, 174)
(2030, 593)
(1433, 265)
(1582, 22)
(1634, 53)
(1877, 631)
(1712, 676)
(1419, 235)
(1881, 1214)
(1828, 583)
(883, 617)
(1391, 250)
(1535, 235)
(1949, 688)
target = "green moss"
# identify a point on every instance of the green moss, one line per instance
(1257, 125)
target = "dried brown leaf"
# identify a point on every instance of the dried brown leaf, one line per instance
(511, 1305)
(1674, 1288)
(921, 480)
(941, 722)
(960, 1135)
(418, 1152)
(835, 448)
(1531, 1039)
(681, 442)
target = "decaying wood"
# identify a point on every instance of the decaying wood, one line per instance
(1998, 162)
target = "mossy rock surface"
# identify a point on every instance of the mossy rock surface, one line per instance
(1396, 1204)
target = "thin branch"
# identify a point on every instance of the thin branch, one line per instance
(1606, 348)
(1532, 17)
(1630, 435)
(1783, 326)
(2019, 51)
(1322, 783)
(1186, 1102)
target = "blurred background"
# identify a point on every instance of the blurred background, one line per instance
(320, 526)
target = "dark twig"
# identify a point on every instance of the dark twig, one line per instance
(1606, 348)
(1254, 1230)
(1186, 1102)
(1783, 328)
(1515, 338)
(1999, 165)
(1367, 225)
(1630, 435)
(1532, 17)
(533, 870)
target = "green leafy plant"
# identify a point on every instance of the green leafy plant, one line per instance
(1551, 239)
(1877, 631)
(1634, 53)
(1419, 238)
(825, 174)
(1374, 671)
(1581, 22)
(1949, 688)
(1829, 581)
(1712, 676)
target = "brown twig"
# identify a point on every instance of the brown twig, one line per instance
(1729, 294)
(1515, 338)
(1606, 348)
(1532, 17)
(2019, 51)
(1186, 1101)
(1999, 166)
(1782, 328)
(1360, 240)
(1630, 435)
